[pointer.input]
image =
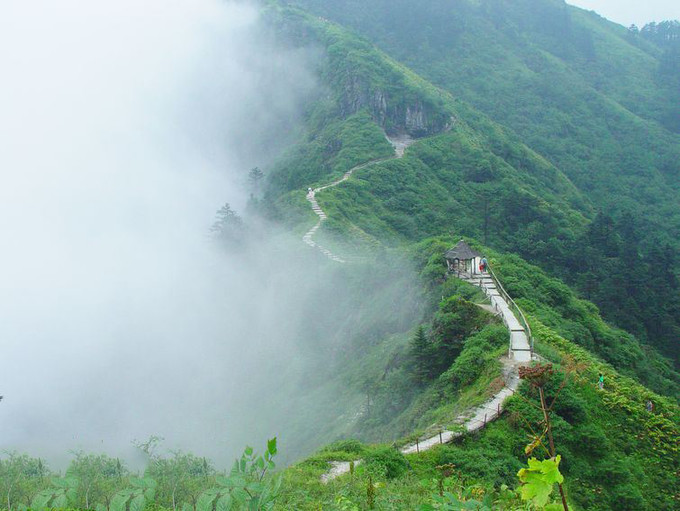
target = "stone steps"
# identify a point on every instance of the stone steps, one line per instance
(311, 197)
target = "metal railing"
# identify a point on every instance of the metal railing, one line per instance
(514, 307)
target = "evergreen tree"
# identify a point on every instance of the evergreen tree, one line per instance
(255, 177)
(422, 356)
(228, 228)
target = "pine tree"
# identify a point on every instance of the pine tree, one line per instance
(422, 356)
(228, 227)
(255, 177)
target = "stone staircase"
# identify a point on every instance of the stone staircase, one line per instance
(476, 418)
(400, 145)
(520, 347)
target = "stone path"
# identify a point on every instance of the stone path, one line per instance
(520, 348)
(476, 418)
(400, 143)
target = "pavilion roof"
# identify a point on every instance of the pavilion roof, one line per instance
(461, 252)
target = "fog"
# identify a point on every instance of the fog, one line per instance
(124, 126)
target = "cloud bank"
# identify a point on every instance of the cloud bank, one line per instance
(124, 126)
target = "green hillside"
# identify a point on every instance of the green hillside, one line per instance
(469, 176)
(616, 455)
(554, 153)
(591, 99)
(549, 139)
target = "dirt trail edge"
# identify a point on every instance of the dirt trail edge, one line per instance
(475, 418)
(400, 143)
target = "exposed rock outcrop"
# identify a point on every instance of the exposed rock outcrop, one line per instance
(394, 112)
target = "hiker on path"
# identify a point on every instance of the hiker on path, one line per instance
(600, 382)
(485, 264)
(650, 406)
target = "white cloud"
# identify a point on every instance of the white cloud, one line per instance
(627, 12)
(124, 126)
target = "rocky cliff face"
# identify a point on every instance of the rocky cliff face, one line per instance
(364, 78)
(392, 110)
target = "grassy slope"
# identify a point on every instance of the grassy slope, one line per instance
(584, 93)
(616, 455)
(476, 159)
(443, 184)
(574, 87)
(443, 172)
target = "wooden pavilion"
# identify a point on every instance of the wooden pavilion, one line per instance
(462, 259)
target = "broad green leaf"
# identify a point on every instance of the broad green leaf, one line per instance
(206, 499)
(42, 499)
(231, 482)
(137, 482)
(254, 487)
(240, 496)
(71, 494)
(271, 446)
(149, 494)
(150, 482)
(59, 501)
(119, 500)
(226, 503)
(138, 503)
(539, 478)
(223, 481)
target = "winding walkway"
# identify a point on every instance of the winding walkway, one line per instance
(519, 351)
(400, 143)
(476, 418)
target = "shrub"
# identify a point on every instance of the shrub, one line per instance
(387, 462)
(349, 446)
(590, 440)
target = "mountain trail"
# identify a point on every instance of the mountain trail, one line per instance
(519, 352)
(400, 144)
(475, 418)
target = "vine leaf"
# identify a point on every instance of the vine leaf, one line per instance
(538, 479)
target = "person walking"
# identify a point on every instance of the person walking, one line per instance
(485, 264)
(600, 382)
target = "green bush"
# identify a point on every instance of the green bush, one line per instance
(349, 446)
(478, 350)
(387, 462)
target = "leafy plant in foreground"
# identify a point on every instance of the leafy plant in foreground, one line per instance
(538, 481)
(64, 491)
(181, 478)
(99, 478)
(540, 477)
(246, 486)
(20, 477)
(141, 492)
